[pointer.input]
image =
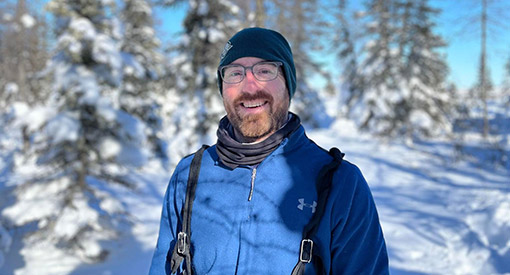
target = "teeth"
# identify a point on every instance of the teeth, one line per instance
(252, 105)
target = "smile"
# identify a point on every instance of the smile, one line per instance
(253, 104)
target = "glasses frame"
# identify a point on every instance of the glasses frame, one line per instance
(276, 63)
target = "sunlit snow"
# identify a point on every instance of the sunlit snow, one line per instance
(28, 21)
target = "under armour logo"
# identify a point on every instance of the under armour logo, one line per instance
(302, 205)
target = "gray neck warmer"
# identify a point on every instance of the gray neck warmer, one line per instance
(233, 153)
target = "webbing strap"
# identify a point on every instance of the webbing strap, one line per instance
(182, 247)
(323, 185)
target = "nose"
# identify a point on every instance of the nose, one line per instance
(250, 82)
(249, 74)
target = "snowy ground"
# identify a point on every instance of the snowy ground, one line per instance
(439, 215)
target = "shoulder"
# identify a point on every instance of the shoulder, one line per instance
(184, 164)
(350, 192)
(349, 170)
(347, 179)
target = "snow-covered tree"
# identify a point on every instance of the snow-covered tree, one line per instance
(506, 99)
(487, 22)
(82, 144)
(371, 104)
(207, 27)
(481, 92)
(403, 89)
(506, 82)
(23, 53)
(425, 71)
(142, 85)
(302, 24)
(343, 45)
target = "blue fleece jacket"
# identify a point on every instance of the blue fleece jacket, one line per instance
(231, 234)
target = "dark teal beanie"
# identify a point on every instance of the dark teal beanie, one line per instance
(262, 43)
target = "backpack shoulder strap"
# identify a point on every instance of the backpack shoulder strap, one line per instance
(182, 247)
(323, 185)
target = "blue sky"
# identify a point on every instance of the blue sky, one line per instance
(463, 38)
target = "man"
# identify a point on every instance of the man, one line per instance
(256, 187)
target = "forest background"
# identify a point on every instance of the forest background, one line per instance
(98, 98)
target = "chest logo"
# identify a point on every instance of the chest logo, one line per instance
(302, 204)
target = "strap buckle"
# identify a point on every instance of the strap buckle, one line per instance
(182, 241)
(305, 254)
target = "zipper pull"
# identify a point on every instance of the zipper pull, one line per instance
(253, 175)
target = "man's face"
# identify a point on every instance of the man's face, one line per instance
(255, 108)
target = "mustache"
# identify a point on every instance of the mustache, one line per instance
(260, 94)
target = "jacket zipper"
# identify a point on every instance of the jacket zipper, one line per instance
(253, 175)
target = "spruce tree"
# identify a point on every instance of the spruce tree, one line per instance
(302, 24)
(372, 104)
(425, 70)
(401, 89)
(22, 54)
(82, 145)
(506, 84)
(506, 104)
(487, 22)
(142, 84)
(343, 45)
(207, 26)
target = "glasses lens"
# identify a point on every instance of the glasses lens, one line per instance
(232, 73)
(265, 71)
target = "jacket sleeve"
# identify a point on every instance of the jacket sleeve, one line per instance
(357, 242)
(167, 231)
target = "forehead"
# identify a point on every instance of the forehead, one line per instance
(247, 61)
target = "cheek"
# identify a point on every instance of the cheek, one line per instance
(230, 90)
(227, 102)
(281, 94)
(281, 90)
(228, 95)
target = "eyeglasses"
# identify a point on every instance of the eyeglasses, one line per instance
(262, 71)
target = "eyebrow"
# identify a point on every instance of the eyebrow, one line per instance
(251, 64)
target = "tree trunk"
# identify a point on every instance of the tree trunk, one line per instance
(260, 13)
(483, 72)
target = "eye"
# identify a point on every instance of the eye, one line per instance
(265, 69)
(233, 71)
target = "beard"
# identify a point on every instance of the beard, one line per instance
(253, 127)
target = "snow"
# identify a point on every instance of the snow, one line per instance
(36, 202)
(106, 51)
(7, 17)
(422, 119)
(129, 127)
(64, 127)
(108, 2)
(131, 66)
(31, 117)
(109, 148)
(216, 35)
(82, 28)
(439, 215)
(5, 243)
(73, 219)
(27, 21)
(11, 88)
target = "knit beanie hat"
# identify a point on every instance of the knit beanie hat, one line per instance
(262, 43)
